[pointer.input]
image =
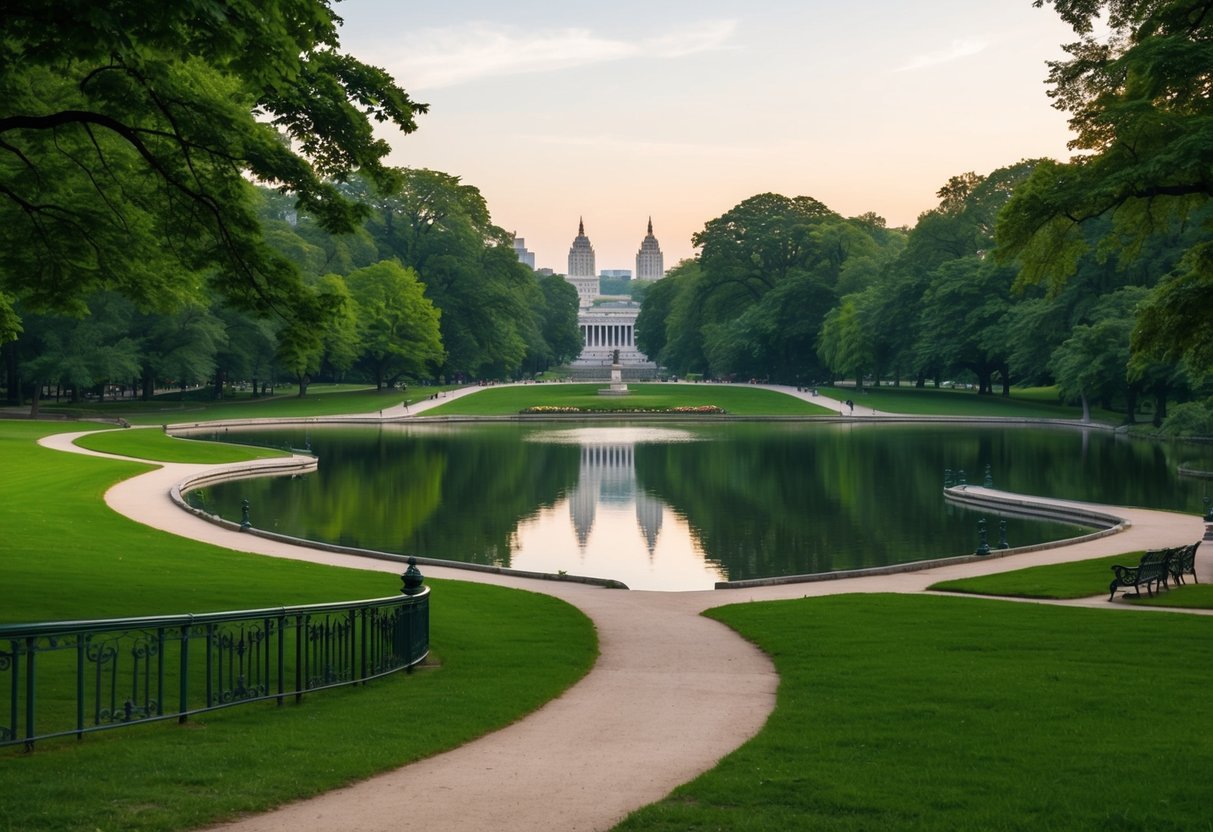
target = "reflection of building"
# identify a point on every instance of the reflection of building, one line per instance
(605, 327)
(608, 475)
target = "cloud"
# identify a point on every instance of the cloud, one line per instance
(457, 55)
(959, 49)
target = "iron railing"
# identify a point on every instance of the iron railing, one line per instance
(74, 677)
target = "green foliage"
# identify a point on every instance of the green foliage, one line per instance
(1190, 419)
(1138, 101)
(495, 316)
(132, 131)
(560, 340)
(949, 713)
(753, 303)
(397, 324)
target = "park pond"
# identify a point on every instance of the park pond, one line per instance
(679, 506)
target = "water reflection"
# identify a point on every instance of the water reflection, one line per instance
(682, 507)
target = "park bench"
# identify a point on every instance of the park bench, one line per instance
(1151, 572)
(1183, 561)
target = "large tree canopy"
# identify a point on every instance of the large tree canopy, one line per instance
(1139, 103)
(129, 131)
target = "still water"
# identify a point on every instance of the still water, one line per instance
(681, 506)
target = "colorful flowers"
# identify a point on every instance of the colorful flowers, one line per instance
(702, 409)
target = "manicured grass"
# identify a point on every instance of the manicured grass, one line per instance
(737, 399)
(1036, 404)
(1077, 579)
(933, 713)
(321, 400)
(154, 444)
(498, 654)
(1187, 596)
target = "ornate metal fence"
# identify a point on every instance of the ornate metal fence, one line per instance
(74, 677)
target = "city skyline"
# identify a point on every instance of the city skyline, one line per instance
(680, 111)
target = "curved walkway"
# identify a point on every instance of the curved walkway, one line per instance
(671, 694)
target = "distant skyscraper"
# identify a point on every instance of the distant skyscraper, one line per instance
(650, 265)
(581, 267)
(524, 256)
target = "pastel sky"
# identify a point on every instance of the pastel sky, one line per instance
(620, 110)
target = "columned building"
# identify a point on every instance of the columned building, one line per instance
(606, 326)
(650, 265)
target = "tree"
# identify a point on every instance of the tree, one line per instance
(1139, 103)
(441, 228)
(560, 335)
(180, 347)
(80, 354)
(397, 325)
(130, 132)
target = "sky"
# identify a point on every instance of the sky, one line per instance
(618, 111)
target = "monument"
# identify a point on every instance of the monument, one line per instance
(617, 388)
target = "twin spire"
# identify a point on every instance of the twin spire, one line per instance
(581, 226)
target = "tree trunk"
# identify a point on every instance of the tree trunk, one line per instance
(220, 378)
(1160, 403)
(1086, 408)
(35, 400)
(1131, 404)
(12, 378)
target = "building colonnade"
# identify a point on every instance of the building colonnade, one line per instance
(608, 335)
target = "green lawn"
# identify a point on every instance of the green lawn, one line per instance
(498, 654)
(1035, 403)
(149, 443)
(1077, 579)
(737, 399)
(935, 713)
(321, 400)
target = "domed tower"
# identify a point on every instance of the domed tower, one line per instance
(650, 265)
(582, 273)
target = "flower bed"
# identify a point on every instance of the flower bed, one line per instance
(705, 409)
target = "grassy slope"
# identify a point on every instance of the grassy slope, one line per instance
(156, 445)
(1035, 403)
(321, 400)
(929, 713)
(736, 399)
(502, 654)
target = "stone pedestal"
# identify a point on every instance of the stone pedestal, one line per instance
(617, 388)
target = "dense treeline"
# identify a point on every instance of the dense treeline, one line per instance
(788, 291)
(426, 289)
